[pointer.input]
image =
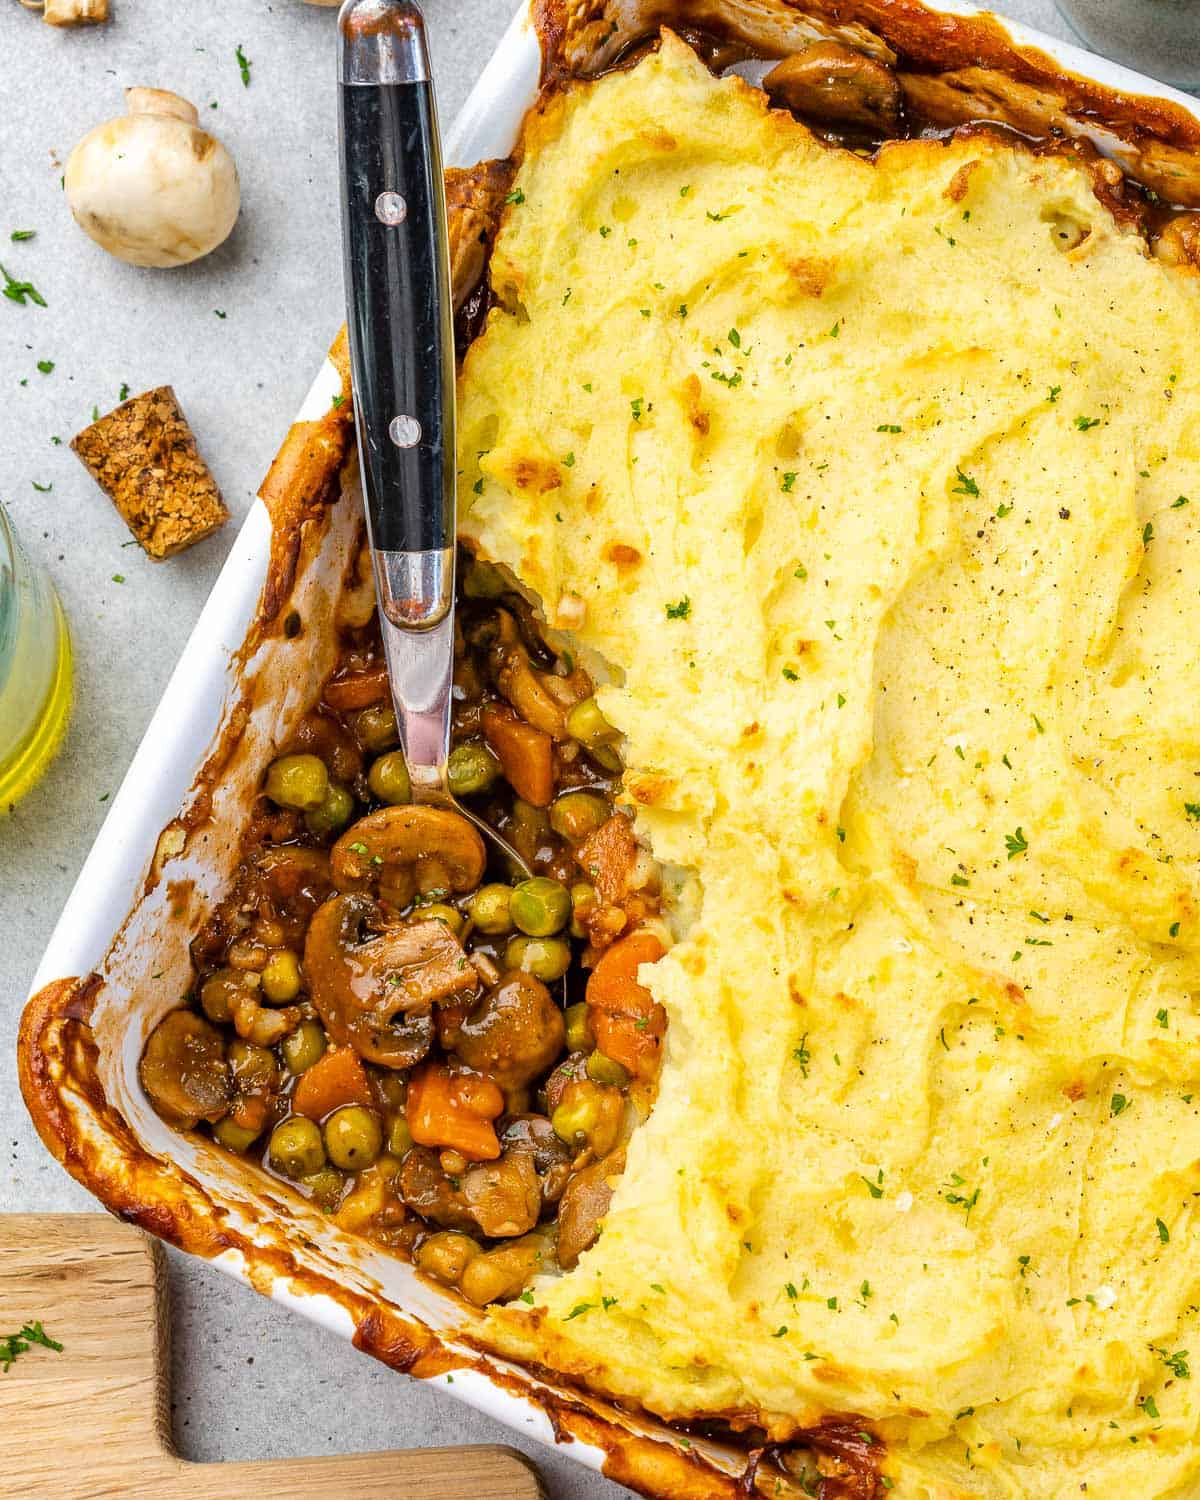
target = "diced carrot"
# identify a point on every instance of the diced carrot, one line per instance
(358, 690)
(454, 1109)
(336, 1078)
(526, 754)
(250, 1111)
(626, 1020)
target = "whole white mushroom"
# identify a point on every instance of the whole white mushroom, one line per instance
(152, 187)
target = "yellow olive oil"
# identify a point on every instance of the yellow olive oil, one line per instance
(35, 670)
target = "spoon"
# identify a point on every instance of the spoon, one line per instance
(400, 319)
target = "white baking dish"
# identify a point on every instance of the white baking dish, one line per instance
(342, 1278)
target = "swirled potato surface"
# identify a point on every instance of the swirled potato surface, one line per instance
(876, 484)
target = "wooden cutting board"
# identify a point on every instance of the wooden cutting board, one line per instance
(93, 1421)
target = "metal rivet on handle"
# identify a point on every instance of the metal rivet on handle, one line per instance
(405, 432)
(391, 209)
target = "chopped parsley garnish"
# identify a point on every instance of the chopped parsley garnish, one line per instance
(1054, 393)
(730, 380)
(1003, 510)
(336, 401)
(681, 610)
(1016, 843)
(1147, 1404)
(965, 486)
(1085, 424)
(21, 291)
(527, 1297)
(786, 483)
(874, 1188)
(605, 231)
(657, 1286)
(836, 329)
(1164, 1233)
(957, 879)
(569, 461)
(802, 1055)
(22, 234)
(682, 309)
(1147, 533)
(716, 218)
(888, 427)
(578, 1310)
(635, 406)
(43, 489)
(1193, 811)
(12, 1345)
(1118, 1105)
(1163, 1018)
(516, 196)
(735, 338)
(1177, 1363)
(961, 1200)
(780, 1331)
(1175, 504)
(243, 63)
(791, 674)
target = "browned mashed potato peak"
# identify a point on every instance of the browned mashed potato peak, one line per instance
(875, 484)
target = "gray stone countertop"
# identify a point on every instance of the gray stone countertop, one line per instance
(250, 1379)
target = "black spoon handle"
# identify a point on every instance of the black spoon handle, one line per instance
(399, 310)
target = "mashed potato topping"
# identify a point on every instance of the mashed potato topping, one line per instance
(877, 487)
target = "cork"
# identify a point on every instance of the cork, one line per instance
(144, 457)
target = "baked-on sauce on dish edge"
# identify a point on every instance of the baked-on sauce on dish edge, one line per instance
(830, 472)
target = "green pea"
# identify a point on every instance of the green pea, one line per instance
(601, 1069)
(281, 977)
(325, 1186)
(375, 727)
(540, 907)
(583, 901)
(353, 1137)
(296, 1148)
(399, 1137)
(254, 1068)
(489, 909)
(588, 725)
(575, 815)
(546, 959)
(234, 1137)
(388, 778)
(579, 1029)
(334, 813)
(305, 1046)
(438, 911)
(220, 992)
(471, 768)
(298, 781)
(576, 1120)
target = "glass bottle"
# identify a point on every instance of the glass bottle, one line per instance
(35, 669)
